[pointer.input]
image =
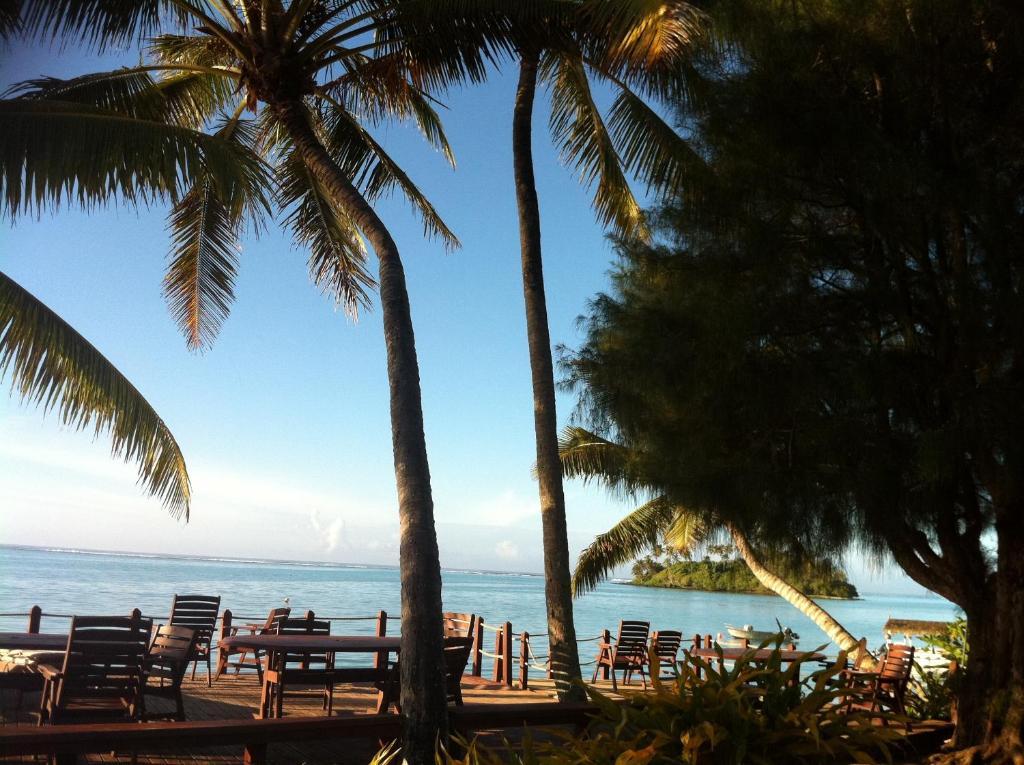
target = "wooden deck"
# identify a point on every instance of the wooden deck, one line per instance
(237, 697)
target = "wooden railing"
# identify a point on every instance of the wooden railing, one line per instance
(505, 660)
(66, 742)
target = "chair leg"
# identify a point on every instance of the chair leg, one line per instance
(195, 664)
(209, 676)
(222, 663)
(259, 665)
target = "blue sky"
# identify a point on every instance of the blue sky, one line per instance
(284, 421)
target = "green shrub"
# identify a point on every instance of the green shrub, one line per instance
(932, 691)
(748, 713)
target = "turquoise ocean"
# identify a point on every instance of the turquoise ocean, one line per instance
(88, 582)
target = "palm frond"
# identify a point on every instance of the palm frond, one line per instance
(649, 147)
(624, 542)
(380, 89)
(187, 99)
(688, 531)
(206, 225)
(10, 23)
(590, 457)
(639, 37)
(53, 366)
(585, 144)
(375, 172)
(337, 252)
(194, 50)
(56, 152)
(98, 22)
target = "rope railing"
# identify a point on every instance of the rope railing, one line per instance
(49, 615)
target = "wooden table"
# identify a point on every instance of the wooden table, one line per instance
(33, 641)
(313, 643)
(19, 655)
(282, 644)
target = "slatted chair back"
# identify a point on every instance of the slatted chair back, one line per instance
(456, 657)
(458, 624)
(168, 655)
(665, 644)
(897, 666)
(303, 625)
(198, 612)
(104, 658)
(632, 639)
(274, 618)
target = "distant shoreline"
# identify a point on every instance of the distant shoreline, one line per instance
(256, 561)
(761, 593)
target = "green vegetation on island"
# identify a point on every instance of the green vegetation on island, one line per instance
(731, 574)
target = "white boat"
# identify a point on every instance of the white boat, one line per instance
(756, 637)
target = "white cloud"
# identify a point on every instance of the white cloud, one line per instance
(330, 535)
(506, 549)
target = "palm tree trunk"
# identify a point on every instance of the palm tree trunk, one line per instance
(797, 599)
(424, 705)
(564, 655)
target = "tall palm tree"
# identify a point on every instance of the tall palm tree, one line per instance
(588, 456)
(52, 365)
(317, 74)
(639, 47)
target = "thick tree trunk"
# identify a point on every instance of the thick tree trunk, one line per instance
(797, 599)
(424, 705)
(564, 653)
(990, 696)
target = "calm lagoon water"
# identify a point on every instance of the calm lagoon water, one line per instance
(81, 582)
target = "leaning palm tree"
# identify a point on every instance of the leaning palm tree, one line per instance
(588, 456)
(52, 365)
(639, 47)
(300, 85)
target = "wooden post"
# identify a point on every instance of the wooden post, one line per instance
(697, 645)
(506, 633)
(606, 638)
(380, 661)
(497, 653)
(309, 628)
(524, 661)
(35, 615)
(225, 631)
(478, 648)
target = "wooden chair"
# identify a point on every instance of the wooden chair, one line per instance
(665, 645)
(166, 661)
(459, 625)
(305, 668)
(885, 689)
(456, 656)
(627, 654)
(200, 613)
(102, 672)
(269, 628)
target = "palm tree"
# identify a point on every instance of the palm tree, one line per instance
(588, 456)
(635, 43)
(317, 74)
(53, 366)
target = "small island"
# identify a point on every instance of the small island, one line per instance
(730, 574)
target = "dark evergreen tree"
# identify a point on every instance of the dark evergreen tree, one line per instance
(830, 338)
